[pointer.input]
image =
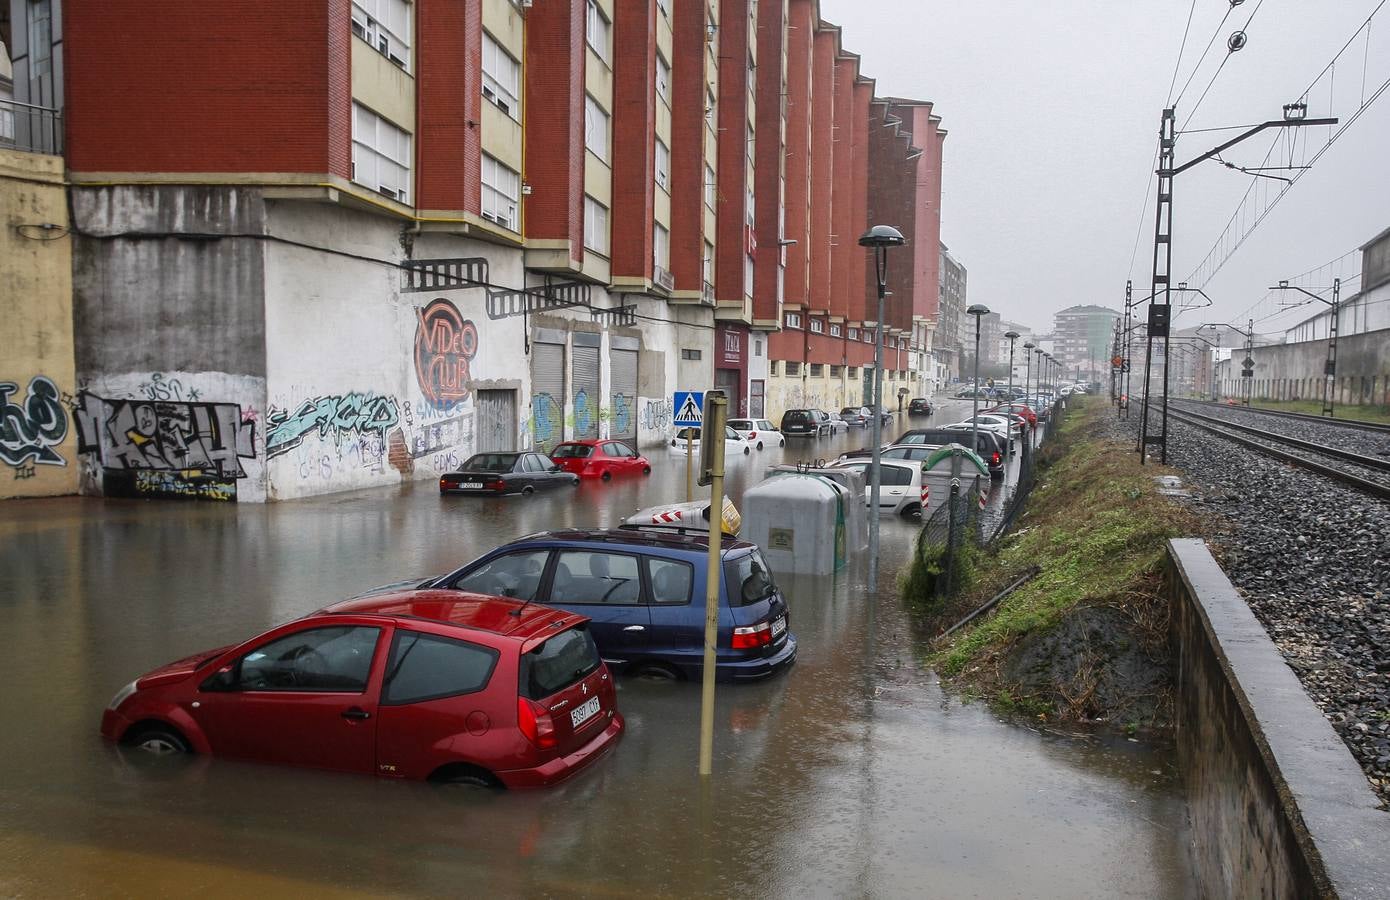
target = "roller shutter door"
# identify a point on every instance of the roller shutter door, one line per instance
(584, 379)
(624, 402)
(547, 395)
(496, 421)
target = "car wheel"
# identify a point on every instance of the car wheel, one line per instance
(646, 470)
(782, 442)
(760, 445)
(465, 775)
(607, 476)
(746, 450)
(656, 672)
(527, 491)
(911, 510)
(160, 740)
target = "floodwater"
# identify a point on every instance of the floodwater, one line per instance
(852, 775)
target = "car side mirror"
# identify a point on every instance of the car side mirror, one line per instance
(224, 679)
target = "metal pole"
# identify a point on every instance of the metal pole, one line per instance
(713, 424)
(876, 476)
(690, 465)
(975, 395)
(1330, 378)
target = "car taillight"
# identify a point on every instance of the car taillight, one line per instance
(996, 458)
(495, 485)
(751, 636)
(535, 724)
(752, 434)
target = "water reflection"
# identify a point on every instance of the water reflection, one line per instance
(852, 775)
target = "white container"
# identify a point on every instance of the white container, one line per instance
(857, 517)
(799, 521)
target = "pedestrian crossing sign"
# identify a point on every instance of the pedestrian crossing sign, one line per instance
(689, 406)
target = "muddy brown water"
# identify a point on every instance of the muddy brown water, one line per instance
(853, 775)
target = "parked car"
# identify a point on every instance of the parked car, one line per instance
(919, 406)
(900, 484)
(644, 592)
(407, 684)
(1005, 426)
(855, 416)
(971, 393)
(837, 424)
(1019, 409)
(734, 444)
(992, 448)
(805, 423)
(758, 432)
(506, 473)
(599, 459)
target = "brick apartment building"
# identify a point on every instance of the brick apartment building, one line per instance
(349, 242)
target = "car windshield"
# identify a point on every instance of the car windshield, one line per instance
(849, 411)
(688, 433)
(749, 579)
(558, 663)
(572, 451)
(490, 462)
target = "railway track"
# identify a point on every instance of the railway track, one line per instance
(1358, 424)
(1366, 473)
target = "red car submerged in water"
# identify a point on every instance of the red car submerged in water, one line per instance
(442, 685)
(591, 458)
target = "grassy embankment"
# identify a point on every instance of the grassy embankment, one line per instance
(1085, 639)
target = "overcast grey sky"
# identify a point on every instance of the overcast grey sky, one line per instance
(1053, 111)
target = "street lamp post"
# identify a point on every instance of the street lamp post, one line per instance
(1028, 367)
(878, 238)
(1012, 336)
(978, 310)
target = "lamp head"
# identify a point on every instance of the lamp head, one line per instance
(1029, 345)
(882, 236)
(1011, 335)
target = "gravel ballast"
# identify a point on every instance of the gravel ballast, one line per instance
(1312, 558)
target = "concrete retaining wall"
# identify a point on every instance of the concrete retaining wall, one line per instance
(1279, 807)
(1295, 371)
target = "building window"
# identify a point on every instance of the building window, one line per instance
(501, 193)
(595, 225)
(595, 128)
(758, 348)
(690, 354)
(854, 334)
(817, 326)
(501, 78)
(663, 164)
(750, 141)
(817, 369)
(711, 188)
(663, 80)
(707, 267)
(665, 7)
(836, 371)
(854, 373)
(661, 247)
(792, 320)
(793, 367)
(598, 30)
(748, 276)
(385, 24)
(709, 103)
(834, 329)
(772, 367)
(380, 154)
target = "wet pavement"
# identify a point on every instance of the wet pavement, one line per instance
(852, 775)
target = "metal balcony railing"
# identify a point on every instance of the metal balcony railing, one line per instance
(34, 129)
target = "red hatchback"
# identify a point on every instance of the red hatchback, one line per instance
(599, 459)
(413, 684)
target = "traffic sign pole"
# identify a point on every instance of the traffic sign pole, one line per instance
(688, 407)
(712, 446)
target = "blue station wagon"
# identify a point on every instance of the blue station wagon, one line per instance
(644, 592)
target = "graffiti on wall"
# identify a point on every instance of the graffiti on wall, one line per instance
(207, 439)
(656, 414)
(32, 426)
(445, 344)
(547, 420)
(622, 414)
(159, 387)
(335, 416)
(173, 484)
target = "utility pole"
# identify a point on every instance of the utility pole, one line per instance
(1125, 367)
(1329, 380)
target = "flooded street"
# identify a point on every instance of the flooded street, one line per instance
(852, 775)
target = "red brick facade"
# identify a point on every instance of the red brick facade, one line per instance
(449, 103)
(767, 164)
(554, 76)
(634, 121)
(734, 238)
(688, 80)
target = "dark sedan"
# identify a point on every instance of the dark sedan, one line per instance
(920, 406)
(505, 473)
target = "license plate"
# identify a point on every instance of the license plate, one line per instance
(779, 625)
(471, 485)
(581, 714)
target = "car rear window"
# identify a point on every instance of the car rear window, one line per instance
(558, 663)
(572, 451)
(749, 579)
(796, 416)
(490, 462)
(427, 666)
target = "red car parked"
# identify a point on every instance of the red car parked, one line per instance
(1022, 410)
(413, 684)
(599, 459)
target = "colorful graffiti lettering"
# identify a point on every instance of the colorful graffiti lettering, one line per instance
(336, 415)
(583, 412)
(547, 418)
(194, 438)
(445, 344)
(622, 414)
(174, 484)
(29, 431)
(656, 415)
